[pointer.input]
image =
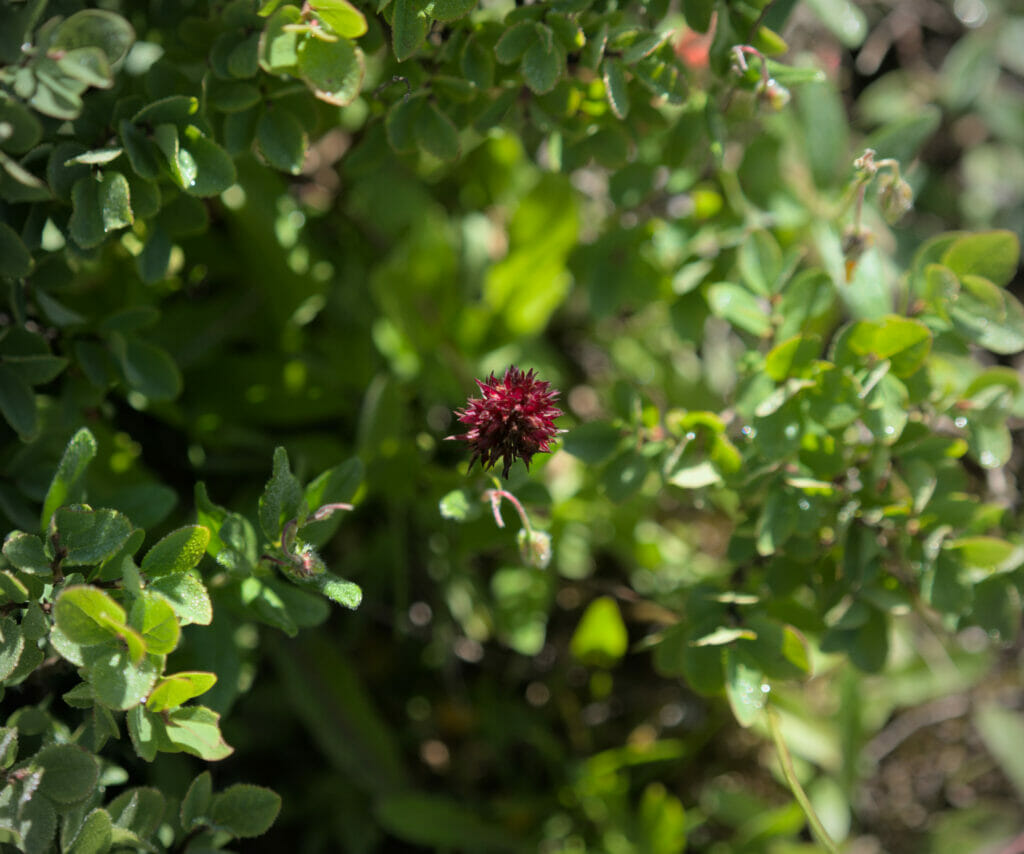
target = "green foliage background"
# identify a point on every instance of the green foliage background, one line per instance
(243, 240)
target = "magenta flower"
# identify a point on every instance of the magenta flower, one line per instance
(513, 420)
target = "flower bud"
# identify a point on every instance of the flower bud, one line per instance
(534, 548)
(774, 93)
(894, 197)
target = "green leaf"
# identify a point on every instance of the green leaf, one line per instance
(88, 65)
(282, 498)
(642, 45)
(695, 476)
(212, 167)
(243, 59)
(18, 403)
(196, 730)
(600, 637)
(400, 121)
(543, 63)
(15, 259)
(760, 262)
(454, 505)
(262, 599)
(780, 651)
(988, 553)
(86, 225)
(592, 442)
(12, 643)
(174, 110)
(278, 47)
(88, 615)
(187, 595)
(886, 415)
(31, 820)
(154, 619)
(341, 16)
(66, 486)
(905, 342)
(96, 28)
(990, 443)
(147, 368)
(230, 96)
(196, 804)
(741, 308)
(992, 255)
(1002, 731)
(698, 14)
(114, 198)
(722, 636)
(145, 731)
(997, 608)
(743, 688)
(177, 552)
(116, 679)
(56, 95)
(333, 70)
(451, 10)
(408, 29)
(514, 42)
(791, 357)
(94, 835)
(23, 129)
(336, 485)
(615, 86)
(25, 551)
(282, 140)
(988, 316)
(477, 63)
(345, 593)
(625, 475)
(176, 689)
(8, 746)
(87, 536)
(12, 589)
(777, 522)
(142, 153)
(69, 772)
(37, 370)
(138, 810)
(435, 133)
(244, 810)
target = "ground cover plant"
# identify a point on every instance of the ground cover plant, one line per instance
(719, 552)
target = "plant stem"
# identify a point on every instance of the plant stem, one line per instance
(495, 495)
(786, 761)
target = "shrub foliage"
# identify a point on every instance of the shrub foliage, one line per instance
(230, 226)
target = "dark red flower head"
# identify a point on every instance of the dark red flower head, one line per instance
(513, 420)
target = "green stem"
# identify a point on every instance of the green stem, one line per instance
(786, 761)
